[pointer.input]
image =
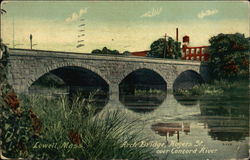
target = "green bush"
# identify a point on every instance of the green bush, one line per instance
(213, 88)
(229, 56)
(17, 122)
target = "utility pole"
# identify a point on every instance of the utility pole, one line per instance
(30, 41)
(165, 43)
(13, 31)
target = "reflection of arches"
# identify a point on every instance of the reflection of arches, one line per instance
(187, 80)
(42, 71)
(186, 100)
(142, 90)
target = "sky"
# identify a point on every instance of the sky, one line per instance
(121, 25)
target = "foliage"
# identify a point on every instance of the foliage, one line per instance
(19, 125)
(17, 131)
(126, 53)
(106, 51)
(214, 88)
(81, 133)
(165, 49)
(96, 51)
(229, 56)
(140, 92)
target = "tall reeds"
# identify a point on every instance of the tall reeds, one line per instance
(79, 132)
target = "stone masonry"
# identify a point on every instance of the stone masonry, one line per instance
(26, 66)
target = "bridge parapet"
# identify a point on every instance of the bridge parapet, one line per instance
(72, 55)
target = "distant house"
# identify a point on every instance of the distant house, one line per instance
(140, 53)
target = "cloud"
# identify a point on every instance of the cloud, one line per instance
(206, 13)
(75, 16)
(152, 13)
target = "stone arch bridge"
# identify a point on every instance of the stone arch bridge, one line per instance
(26, 66)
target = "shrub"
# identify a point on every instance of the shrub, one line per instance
(229, 56)
(19, 125)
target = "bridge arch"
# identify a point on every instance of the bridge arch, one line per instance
(128, 72)
(44, 70)
(187, 79)
(141, 77)
(142, 90)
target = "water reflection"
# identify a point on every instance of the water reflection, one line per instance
(142, 103)
(143, 90)
(211, 119)
(226, 118)
(169, 129)
(186, 101)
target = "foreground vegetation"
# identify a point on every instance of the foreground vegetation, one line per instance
(77, 131)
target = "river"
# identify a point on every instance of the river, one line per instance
(212, 127)
(207, 127)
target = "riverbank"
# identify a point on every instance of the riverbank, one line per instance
(215, 88)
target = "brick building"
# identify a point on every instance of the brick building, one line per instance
(193, 53)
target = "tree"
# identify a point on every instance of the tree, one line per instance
(105, 50)
(126, 53)
(96, 51)
(229, 56)
(165, 49)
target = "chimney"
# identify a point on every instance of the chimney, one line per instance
(177, 34)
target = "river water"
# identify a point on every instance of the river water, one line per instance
(181, 128)
(211, 127)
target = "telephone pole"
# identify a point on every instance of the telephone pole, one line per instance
(165, 43)
(30, 41)
(13, 30)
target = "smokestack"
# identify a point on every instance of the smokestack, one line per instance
(177, 34)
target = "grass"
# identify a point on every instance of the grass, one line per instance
(139, 92)
(94, 136)
(215, 88)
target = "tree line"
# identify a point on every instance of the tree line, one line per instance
(228, 54)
